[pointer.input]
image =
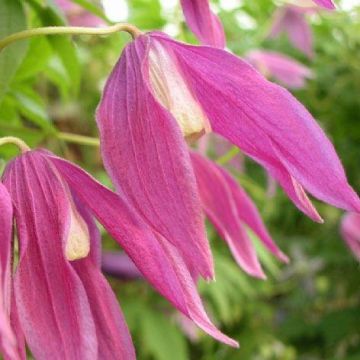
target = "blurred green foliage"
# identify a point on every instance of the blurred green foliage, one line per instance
(308, 309)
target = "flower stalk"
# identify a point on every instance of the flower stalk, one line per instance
(71, 30)
(23, 147)
(78, 139)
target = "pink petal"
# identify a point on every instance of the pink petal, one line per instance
(220, 207)
(327, 4)
(118, 264)
(53, 309)
(158, 260)
(284, 69)
(77, 15)
(147, 158)
(350, 231)
(249, 214)
(203, 22)
(291, 20)
(267, 123)
(112, 332)
(8, 345)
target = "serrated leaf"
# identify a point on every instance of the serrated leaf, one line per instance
(12, 20)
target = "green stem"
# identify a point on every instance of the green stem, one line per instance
(72, 30)
(15, 141)
(228, 156)
(78, 139)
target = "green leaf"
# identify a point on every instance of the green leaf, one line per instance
(12, 19)
(32, 107)
(162, 339)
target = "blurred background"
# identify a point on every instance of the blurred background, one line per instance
(308, 309)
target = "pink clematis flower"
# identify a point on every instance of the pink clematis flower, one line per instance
(78, 16)
(161, 91)
(203, 22)
(350, 231)
(58, 273)
(279, 67)
(54, 203)
(230, 209)
(291, 20)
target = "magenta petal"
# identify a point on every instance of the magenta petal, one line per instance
(53, 309)
(249, 214)
(291, 20)
(220, 207)
(147, 158)
(112, 332)
(350, 231)
(327, 4)
(7, 338)
(158, 260)
(118, 264)
(203, 22)
(268, 124)
(279, 67)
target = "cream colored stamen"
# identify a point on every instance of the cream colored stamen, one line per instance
(172, 92)
(78, 242)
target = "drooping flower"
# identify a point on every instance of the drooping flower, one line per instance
(231, 210)
(77, 15)
(350, 231)
(292, 20)
(58, 273)
(203, 22)
(161, 91)
(287, 71)
(118, 264)
(54, 203)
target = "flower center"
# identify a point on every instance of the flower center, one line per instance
(172, 92)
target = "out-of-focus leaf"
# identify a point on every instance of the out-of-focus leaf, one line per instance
(32, 107)
(35, 60)
(162, 339)
(62, 45)
(12, 19)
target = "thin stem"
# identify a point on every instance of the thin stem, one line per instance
(15, 141)
(228, 156)
(78, 139)
(72, 30)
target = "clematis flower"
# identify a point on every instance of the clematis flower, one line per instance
(59, 262)
(59, 270)
(291, 20)
(119, 265)
(230, 209)
(350, 231)
(77, 15)
(279, 67)
(161, 91)
(203, 22)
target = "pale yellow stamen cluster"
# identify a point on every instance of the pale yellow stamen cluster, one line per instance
(78, 242)
(172, 92)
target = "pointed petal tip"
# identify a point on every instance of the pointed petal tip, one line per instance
(283, 257)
